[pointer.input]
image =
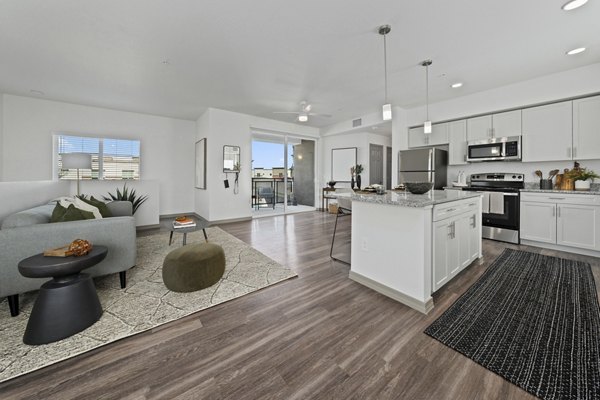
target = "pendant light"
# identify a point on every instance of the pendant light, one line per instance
(427, 123)
(387, 107)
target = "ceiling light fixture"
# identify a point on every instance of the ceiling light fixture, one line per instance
(573, 4)
(575, 51)
(457, 85)
(387, 107)
(303, 117)
(427, 123)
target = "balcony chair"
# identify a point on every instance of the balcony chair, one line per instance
(267, 194)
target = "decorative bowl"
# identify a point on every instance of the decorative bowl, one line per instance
(331, 184)
(418, 187)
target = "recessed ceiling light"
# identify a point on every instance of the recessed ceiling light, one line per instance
(576, 51)
(457, 85)
(36, 92)
(573, 4)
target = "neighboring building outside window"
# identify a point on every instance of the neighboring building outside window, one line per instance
(112, 159)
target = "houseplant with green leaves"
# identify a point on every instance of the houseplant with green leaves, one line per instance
(127, 195)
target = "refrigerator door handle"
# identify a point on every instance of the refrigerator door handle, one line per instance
(431, 160)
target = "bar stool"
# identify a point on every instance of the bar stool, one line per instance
(344, 209)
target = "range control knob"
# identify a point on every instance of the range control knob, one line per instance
(520, 176)
(514, 177)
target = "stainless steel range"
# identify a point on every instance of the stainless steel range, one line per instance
(500, 206)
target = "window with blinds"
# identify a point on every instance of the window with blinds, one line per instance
(114, 159)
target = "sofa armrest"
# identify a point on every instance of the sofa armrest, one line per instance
(120, 208)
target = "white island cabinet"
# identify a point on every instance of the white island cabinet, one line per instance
(407, 246)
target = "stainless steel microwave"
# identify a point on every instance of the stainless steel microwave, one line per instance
(495, 149)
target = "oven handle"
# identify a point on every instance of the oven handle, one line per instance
(511, 194)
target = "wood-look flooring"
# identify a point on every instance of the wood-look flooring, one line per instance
(318, 336)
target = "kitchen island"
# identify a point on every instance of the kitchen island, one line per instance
(407, 246)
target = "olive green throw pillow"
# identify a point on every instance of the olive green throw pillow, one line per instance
(62, 214)
(100, 205)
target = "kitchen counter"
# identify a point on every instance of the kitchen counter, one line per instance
(587, 192)
(406, 246)
(407, 199)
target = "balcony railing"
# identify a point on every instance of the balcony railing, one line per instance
(278, 186)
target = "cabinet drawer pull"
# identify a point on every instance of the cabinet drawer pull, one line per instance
(472, 204)
(450, 209)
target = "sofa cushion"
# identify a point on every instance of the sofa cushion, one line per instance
(32, 216)
(100, 205)
(71, 213)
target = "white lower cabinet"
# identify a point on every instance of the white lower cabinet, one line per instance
(538, 221)
(456, 244)
(570, 220)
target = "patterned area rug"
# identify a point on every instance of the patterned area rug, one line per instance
(535, 321)
(144, 304)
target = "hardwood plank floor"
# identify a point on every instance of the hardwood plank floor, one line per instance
(319, 336)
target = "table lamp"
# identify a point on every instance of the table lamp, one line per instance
(77, 161)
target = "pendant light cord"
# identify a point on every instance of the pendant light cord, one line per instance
(385, 67)
(427, 90)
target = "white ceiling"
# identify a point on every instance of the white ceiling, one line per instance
(260, 56)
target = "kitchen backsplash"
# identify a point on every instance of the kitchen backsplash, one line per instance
(525, 168)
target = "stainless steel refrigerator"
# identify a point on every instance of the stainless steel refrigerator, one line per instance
(423, 165)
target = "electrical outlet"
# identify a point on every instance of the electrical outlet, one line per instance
(364, 245)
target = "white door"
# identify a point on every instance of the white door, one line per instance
(547, 132)
(416, 137)
(442, 233)
(479, 128)
(463, 240)
(578, 226)
(586, 128)
(538, 221)
(439, 134)
(506, 124)
(474, 235)
(457, 142)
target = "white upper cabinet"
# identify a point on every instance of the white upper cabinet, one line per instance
(457, 142)
(586, 128)
(438, 135)
(495, 125)
(547, 132)
(479, 128)
(506, 124)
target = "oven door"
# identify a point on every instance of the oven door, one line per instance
(507, 220)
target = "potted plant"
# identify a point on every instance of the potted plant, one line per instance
(582, 177)
(358, 170)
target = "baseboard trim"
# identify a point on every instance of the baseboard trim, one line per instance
(229, 221)
(567, 249)
(423, 307)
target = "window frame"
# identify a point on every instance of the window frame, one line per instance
(55, 155)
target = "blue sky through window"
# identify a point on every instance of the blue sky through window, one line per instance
(270, 155)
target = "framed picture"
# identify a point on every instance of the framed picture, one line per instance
(341, 161)
(201, 164)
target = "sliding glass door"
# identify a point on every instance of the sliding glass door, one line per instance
(282, 174)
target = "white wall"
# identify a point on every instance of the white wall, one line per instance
(575, 82)
(19, 196)
(1, 133)
(221, 128)
(167, 144)
(358, 139)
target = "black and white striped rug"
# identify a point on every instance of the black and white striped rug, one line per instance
(532, 319)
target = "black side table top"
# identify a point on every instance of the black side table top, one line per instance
(40, 266)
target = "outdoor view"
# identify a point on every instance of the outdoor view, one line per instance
(269, 170)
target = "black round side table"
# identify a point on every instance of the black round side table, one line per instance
(68, 303)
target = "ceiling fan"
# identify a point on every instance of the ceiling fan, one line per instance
(304, 112)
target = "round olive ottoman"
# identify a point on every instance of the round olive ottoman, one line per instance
(193, 267)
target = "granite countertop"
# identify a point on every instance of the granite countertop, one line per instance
(407, 199)
(584, 192)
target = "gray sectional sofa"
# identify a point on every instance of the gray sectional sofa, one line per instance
(29, 232)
